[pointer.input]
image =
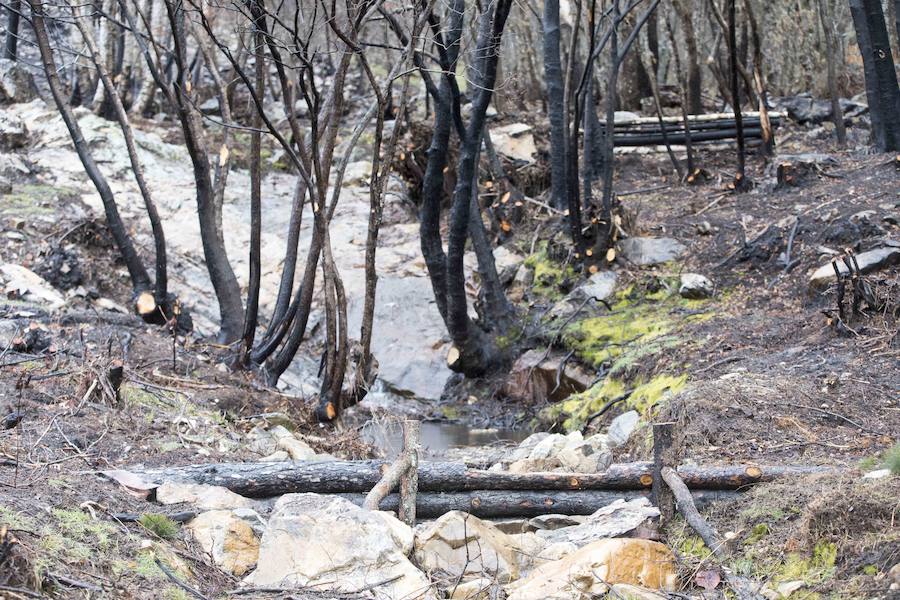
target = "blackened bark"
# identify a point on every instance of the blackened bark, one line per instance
(433, 181)
(837, 114)
(251, 312)
(881, 78)
(555, 105)
(475, 353)
(140, 280)
(221, 274)
(735, 88)
(694, 74)
(12, 30)
(159, 239)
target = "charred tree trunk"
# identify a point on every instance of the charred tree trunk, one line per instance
(251, 312)
(694, 74)
(140, 281)
(881, 78)
(228, 292)
(555, 105)
(475, 352)
(837, 114)
(740, 178)
(10, 45)
(759, 77)
(162, 307)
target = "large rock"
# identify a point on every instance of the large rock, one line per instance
(459, 546)
(23, 283)
(645, 251)
(16, 83)
(13, 134)
(329, 543)
(804, 108)
(695, 286)
(591, 455)
(514, 141)
(621, 428)
(205, 497)
(229, 538)
(411, 344)
(279, 438)
(599, 286)
(533, 378)
(614, 520)
(873, 260)
(590, 571)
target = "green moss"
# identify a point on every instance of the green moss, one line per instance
(81, 526)
(694, 546)
(647, 395)
(811, 569)
(639, 324)
(136, 395)
(574, 411)
(16, 520)
(601, 339)
(33, 199)
(870, 570)
(758, 532)
(146, 566)
(548, 274)
(160, 525)
(634, 355)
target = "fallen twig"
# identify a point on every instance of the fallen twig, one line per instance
(174, 579)
(743, 587)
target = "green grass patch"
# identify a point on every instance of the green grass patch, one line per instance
(160, 525)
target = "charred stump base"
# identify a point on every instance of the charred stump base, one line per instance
(740, 184)
(168, 311)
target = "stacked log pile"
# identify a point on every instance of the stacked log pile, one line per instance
(702, 128)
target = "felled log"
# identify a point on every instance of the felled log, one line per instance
(261, 480)
(502, 504)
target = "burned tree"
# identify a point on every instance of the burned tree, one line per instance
(140, 280)
(881, 78)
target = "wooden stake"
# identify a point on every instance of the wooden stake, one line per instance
(409, 482)
(663, 456)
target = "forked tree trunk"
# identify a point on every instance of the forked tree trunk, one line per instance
(228, 292)
(162, 306)
(140, 281)
(251, 312)
(881, 78)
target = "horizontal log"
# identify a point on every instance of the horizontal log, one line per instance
(694, 127)
(262, 480)
(773, 116)
(679, 138)
(504, 504)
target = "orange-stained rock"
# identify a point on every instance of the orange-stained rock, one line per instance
(588, 572)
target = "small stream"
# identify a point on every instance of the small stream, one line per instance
(438, 437)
